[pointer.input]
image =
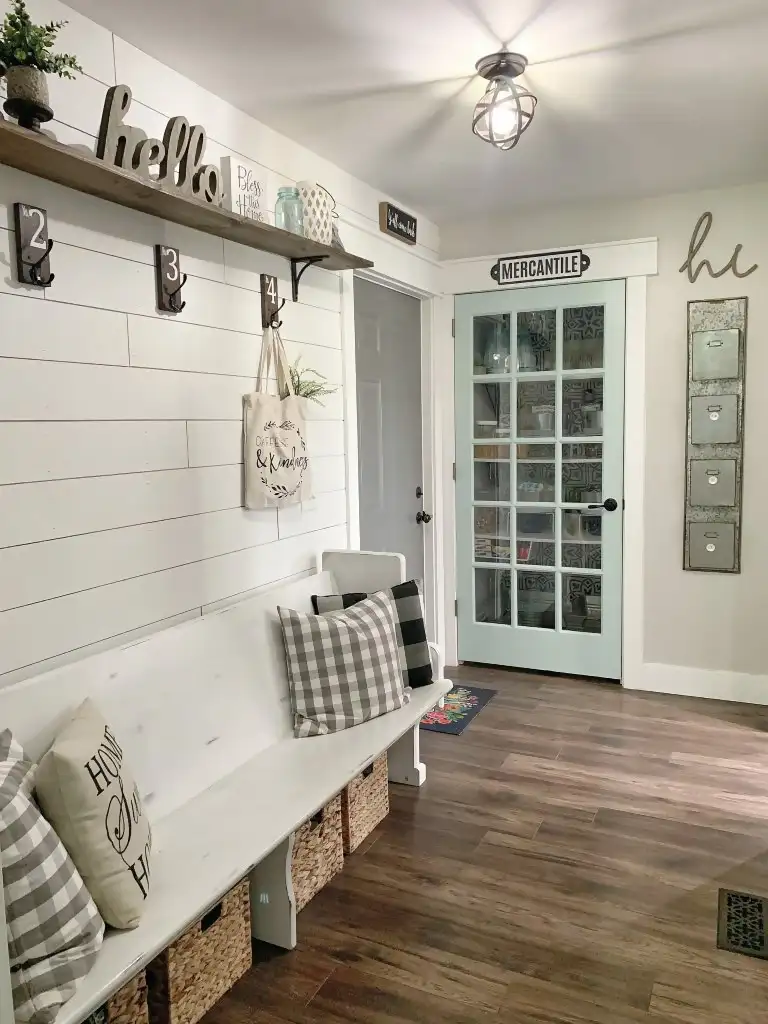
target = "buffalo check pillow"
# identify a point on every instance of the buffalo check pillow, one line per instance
(415, 659)
(344, 667)
(54, 928)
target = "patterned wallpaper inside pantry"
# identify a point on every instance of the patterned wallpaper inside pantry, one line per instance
(120, 436)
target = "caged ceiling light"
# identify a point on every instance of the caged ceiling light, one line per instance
(506, 109)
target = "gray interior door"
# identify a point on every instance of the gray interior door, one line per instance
(388, 352)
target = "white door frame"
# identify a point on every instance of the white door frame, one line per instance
(433, 540)
(634, 261)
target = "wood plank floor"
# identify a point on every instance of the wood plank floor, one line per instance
(561, 864)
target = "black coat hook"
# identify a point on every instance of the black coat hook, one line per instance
(34, 268)
(275, 324)
(172, 300)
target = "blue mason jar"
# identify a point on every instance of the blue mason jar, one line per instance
(289, 213)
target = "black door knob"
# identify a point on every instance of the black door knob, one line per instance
(610, 505)
(423, 517)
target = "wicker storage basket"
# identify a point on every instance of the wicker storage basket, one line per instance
(195, 971)
(318, 853)
(364, 803)
(128, 1006)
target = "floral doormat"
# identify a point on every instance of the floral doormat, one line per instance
(461, 706)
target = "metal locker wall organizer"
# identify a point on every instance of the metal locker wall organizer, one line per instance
(717, 338)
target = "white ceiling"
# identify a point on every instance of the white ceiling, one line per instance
(636, 97)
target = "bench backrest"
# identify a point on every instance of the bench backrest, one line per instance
(189, 704)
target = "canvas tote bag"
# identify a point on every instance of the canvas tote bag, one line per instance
(277, 471)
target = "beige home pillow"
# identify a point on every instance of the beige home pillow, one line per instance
(89, 796)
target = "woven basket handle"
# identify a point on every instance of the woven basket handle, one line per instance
(210, 919)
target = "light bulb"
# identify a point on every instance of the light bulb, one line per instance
(503, 119)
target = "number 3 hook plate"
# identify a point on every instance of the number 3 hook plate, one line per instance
(169, 279)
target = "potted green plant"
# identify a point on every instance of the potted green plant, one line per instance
(26, 53)
(308, 383)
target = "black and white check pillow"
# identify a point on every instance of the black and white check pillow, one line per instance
(54, 928)
(344, 668)
(415, 658)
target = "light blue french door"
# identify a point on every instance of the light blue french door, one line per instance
(539, 477)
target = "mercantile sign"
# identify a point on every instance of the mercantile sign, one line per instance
(541, 266)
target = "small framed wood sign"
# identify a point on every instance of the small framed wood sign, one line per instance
(393, 221)
(33, 246)
(540, 266)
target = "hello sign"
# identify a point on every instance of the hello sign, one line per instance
(178, 158)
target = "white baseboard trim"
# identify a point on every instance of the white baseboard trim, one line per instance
(688, 681)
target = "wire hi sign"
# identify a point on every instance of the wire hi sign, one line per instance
(544, 266)
(397, 222)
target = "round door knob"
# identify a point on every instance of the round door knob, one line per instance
(423, 517)
(610, 505)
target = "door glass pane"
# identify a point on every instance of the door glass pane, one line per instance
(583, 333)
(492, 410)
(535, 538)
(583, 406)
(582, 603)
(581, 539)
(582, 481)
(492, 476)
(583, 452)
(491, 344)
(536, 408)
(535, 472)
(536, 599)
(493, 597)
(492, 538)
(536, 341)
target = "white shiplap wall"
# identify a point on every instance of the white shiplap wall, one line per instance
(120, 477)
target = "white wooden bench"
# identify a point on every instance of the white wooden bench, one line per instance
(203, 713)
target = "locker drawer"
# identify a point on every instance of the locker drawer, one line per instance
(715, 355)
(711, 545)
(713, 482)
(714, 419)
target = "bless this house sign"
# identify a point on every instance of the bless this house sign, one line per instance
(245, 188)
(544, 266)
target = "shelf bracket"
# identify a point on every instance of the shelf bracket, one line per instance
(306, 262)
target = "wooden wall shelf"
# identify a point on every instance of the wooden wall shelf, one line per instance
(37, 154)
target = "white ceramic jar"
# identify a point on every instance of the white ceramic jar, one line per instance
(318, 207)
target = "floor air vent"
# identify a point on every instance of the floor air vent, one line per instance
(741, 921)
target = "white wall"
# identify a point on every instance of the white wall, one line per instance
(120, 475)
(704, 633)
